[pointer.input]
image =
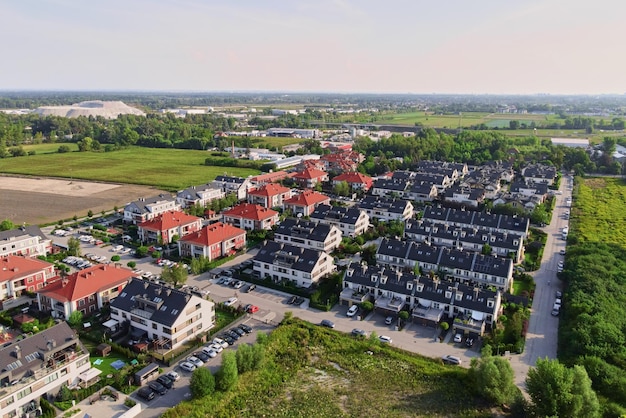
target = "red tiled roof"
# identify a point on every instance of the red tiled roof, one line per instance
(307, 198)
(168, 220)
(251, 211)
(310, 173)
(15, 266)
(354, 177)
(213, 234)
(269, 190)
(87, 282)
(270, 177)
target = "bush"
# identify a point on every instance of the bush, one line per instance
(115, 258)
(131, 264)
(129, 402)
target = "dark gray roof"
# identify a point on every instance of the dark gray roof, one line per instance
(475, 235)
(313, 231)
(35, 351)
(31, 230)
(540, 171)
(192, 191)
(402, 175)
(339, 214)
(163, 302)
(394, 247)
(474, 298)
(424, 253)
(477, 218)
(396, 185)
(383, 203)
(230, 179)
(142, 204)
(295, 258)
(421, 187)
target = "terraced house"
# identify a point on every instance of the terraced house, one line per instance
(480, 219)
(308, 234)
(386, 209)
(350, 221)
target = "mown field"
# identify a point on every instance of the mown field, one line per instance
(599, 211)
(49, 148)
(311, 371)
(169, 169)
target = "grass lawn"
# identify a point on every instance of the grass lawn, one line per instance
(519, 286)
(49, 148)
(170, 169)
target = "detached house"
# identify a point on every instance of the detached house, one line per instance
(40, 365)
(168, 225)
(249, 216)
(284, 262)
(86, 291)
(23, 274)
(27, 241)
(144, 209)
(269, 195)
(166, 316)
(310, 177)
(305, 203)
(212, 241)
(237, 185)
(351, 221)
(355, 180)
(308, 234)
(199, 195)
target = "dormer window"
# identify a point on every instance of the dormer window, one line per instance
(448, 294)
(484, 238)
(516, 242)
(374, 278)
(490, 303)
(459, 296)
(409, 286)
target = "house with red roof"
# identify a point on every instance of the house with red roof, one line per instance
(355, 180)
(342, 161)
(306, 202)
(86, 291)
(212, 241)
(20, 274)
(270, 195)
(310, 177)
(272, 177)
(249, 216)
(168, 225)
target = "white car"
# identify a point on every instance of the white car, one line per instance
(230, 302)
(458, 338)
(209, 352)
(352, 311)
(221, 342)
(117, 248)
(384, 339)
(187, 366)
(195, 361)
(216, 347)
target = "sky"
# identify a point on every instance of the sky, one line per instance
(340, 46)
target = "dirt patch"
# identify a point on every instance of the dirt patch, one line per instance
(41, 200)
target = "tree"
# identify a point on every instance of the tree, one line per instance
(493, 378)
(177, 274)
(115, 258)
(367, 306)
(342, 188)
(6, 225)
(141, 251)
(486, 249)
(202, 383)
(131, 264)
(558, 391)
(227, 376)
(73, 246)
(75, 319)
(90, 213)
(86, 144)
(403, 315)
(63, 149)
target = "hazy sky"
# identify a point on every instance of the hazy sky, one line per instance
(394, 46)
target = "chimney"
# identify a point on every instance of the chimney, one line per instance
(18, 352)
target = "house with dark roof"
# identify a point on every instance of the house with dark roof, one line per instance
(539, 173)
(168, 225)
(422, 191)
(356, 180)
(310, 177)
(269, 195)
(454, 171)
(390, 187)
(308, 234)
(502, 244)
(199, 195)
(213, 241)
(430, 299)
(23, 274)
(40, 364)
(469, 268)
(166, 316)
(465, 196)
(144, 209)
(229, 184)
(284, 262)
(86, 291)
(305, 203)
(250, 217)
(386, 209)
(470, 218)
(351, 221)
(26, 241)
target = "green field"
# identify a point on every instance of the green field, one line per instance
(49, 148)
(170, 169)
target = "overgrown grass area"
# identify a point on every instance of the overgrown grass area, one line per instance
(599, 211)
(170, 169)
(310, 371)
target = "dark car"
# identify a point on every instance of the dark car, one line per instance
(246, 328)
(232, 334)
(157, 387)
(228, 339)
(146, 393)
(298, 301)
(292, 300)
(239, 331)
(165, 381)
(251, 288)
(202, 356)
(469, 342)
(327, 323)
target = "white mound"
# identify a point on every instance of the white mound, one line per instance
(109, 110)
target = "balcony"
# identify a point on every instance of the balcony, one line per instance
(353, 295)
(393, 304)
(470, 324)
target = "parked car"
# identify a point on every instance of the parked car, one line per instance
(458, 338)
(232, 334)
(448, 359)
(469, 342)
(352, 311)
(239, 284)
(292, 300)
(195, 361)
(558, 294)
(202, 355)
(251, 288)
(357, 332)
(165, 381)
(299, 301)
(209, 352)
(384, 339)
(246, 328)
(229, 339)
(146, 393)
(157, 387)
(173, 376)
(220, 341)
(327, 323)
(252, 309)
(216, 347)
(230, 302)
(389, 320)
(238, 331)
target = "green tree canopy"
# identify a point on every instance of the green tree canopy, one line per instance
(75, 319)
(493, 377)
(6, 225)
(177, 274)
(228, 375)
(73, 246)
(202, 383)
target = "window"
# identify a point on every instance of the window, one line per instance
(92, 298)
(92, 308)
(154, 326)
(81, 302)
